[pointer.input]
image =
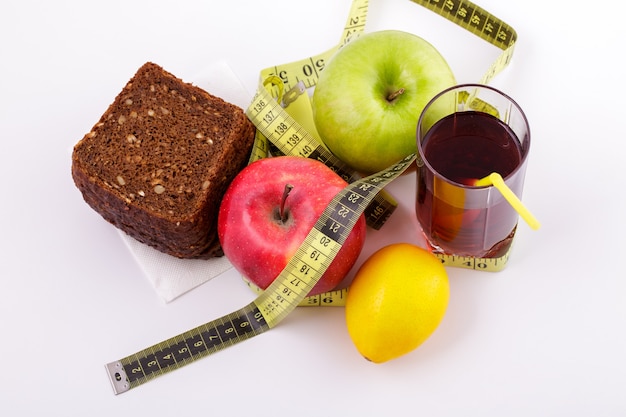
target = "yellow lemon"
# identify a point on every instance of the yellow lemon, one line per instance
(396, 301)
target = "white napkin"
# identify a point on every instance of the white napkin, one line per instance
(171, 277)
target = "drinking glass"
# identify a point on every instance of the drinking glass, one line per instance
(464, 134)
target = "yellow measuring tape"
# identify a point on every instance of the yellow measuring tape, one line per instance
(319, 248)
(287, 291)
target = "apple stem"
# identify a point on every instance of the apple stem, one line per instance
(391, 97)
(286, 191)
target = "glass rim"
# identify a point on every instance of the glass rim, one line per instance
(422, 157)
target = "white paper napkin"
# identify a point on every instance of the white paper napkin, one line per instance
(172, 277)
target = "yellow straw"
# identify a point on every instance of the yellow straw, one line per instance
(497, 181)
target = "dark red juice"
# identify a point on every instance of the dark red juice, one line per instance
(459, 218)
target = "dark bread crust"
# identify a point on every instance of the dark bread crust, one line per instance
(159, 160)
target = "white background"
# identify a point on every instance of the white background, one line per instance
(545, 337)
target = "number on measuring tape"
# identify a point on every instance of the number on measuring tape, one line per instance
(479, 264)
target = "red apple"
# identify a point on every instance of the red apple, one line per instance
(262, 221)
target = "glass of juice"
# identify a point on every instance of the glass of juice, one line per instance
(464, 134)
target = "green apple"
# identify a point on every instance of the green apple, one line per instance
(370, 95)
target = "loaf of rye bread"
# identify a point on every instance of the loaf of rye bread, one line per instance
(159, 160)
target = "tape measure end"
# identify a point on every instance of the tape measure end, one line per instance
(117, 376)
